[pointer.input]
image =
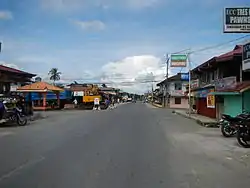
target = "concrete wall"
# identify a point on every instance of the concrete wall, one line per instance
(171, 86)
(184, 103)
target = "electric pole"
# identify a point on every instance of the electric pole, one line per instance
(189, 82)
(166, 84)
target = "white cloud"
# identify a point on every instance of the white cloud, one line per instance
(133, 74)
(5, 15)
(95, 25)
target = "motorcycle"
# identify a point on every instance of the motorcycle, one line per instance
(243, 133)
(14, 115)
(229, 125)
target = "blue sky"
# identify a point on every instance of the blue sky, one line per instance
(90, 39)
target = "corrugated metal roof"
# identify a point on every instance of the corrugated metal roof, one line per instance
(39, 87)
(12, 70)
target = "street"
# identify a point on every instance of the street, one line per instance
(132, 146)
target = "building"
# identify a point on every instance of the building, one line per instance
(172, 92)
(217, 79)
(11, 78)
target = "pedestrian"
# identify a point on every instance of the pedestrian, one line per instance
(96, 104)
(75, 102)
(106, 103)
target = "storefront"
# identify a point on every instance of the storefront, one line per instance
(235, 99)
(205, 104)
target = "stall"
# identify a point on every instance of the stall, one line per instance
(42, 88)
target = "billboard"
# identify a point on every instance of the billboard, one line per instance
(178, 60)
(237, 20)
(246, 57)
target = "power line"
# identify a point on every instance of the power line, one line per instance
(218, 45)
(212, 47)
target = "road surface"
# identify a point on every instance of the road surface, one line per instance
(133, 146)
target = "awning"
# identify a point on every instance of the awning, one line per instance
(224, 93)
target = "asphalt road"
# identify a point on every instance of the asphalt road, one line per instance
(133, 146)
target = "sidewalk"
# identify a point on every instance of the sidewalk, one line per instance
(202, 120)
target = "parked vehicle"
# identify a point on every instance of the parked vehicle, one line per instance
(229, 125)
(14, 115)
(243, 133)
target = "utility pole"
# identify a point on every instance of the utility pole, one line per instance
(166, 84)
(152, 95)
(189, 83)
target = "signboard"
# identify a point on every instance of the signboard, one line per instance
(90, 98)
(185, 76)
(225, 83)
(13, 87)
(237, 20)
(246, 57)
(96, 101)
(211, 100)
(194, 84)
(178, 60)
(78, 93)
(203, 93)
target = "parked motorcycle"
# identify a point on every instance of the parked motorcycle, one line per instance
(229, 125)
(14, 115)
(243, 133)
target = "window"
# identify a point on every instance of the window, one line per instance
(178, 86)
(177, 100)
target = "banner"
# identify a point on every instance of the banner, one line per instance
(178, 60)
(246, 57)
(78, 93)
(211, 100)
(185, 76)
(225, 83)
(237, 20)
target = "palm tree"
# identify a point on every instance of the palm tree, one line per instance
(55, 75)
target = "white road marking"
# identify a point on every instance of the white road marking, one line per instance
(21, 167)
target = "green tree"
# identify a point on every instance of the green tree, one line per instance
(54, 74)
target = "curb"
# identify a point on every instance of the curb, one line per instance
(204, 124)
(156, 105)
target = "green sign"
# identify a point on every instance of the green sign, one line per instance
(178, 60)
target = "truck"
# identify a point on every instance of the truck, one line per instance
(90, 93)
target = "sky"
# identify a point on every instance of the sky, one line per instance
(118, 42)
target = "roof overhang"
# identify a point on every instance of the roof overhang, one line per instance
(224, 93)
(37, 91)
